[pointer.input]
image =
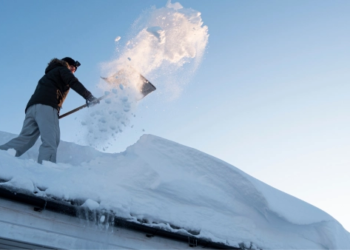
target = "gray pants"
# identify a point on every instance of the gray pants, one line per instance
(40, 120)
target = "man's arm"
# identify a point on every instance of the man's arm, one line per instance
(78, 87)
(73, 82)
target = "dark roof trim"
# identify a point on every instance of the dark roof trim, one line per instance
(55, 205)
(15, 244)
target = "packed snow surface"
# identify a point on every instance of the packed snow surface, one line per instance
(161, 181)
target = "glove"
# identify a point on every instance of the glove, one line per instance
(91, 101)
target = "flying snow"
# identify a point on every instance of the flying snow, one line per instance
(158, 32)
(164, 40)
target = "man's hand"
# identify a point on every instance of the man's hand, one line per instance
(91, 101)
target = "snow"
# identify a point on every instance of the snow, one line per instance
(158, 32)
(175, 6)
(163, 36)
(20, 223)
(91, 205)
(163, 40)
(161, 181)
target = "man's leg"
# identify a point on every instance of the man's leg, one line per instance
(47, 120)
(27, 137)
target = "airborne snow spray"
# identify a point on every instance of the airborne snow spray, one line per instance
(167, 43)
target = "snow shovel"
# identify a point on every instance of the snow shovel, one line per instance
(146, 88)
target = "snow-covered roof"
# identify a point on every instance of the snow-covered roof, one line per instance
(156, 180)
(58, 225)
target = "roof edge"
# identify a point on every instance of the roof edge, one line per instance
(65, 207)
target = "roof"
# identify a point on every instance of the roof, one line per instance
(53, 219)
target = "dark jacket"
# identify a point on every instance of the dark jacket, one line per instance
(54, 86)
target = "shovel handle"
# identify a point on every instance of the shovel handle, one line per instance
(78, 108)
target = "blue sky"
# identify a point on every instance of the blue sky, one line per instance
(271, 95)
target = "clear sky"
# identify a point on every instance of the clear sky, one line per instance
(270, 97)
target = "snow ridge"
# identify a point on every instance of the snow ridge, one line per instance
(163, 182)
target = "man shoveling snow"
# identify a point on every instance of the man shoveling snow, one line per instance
(42, 111)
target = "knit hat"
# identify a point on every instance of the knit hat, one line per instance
(70, 61)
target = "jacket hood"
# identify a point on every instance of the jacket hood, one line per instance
(55, 63)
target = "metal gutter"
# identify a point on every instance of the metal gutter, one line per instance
(65, 207)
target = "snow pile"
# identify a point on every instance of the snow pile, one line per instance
(161, 181)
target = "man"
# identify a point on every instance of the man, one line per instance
(43, 109)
